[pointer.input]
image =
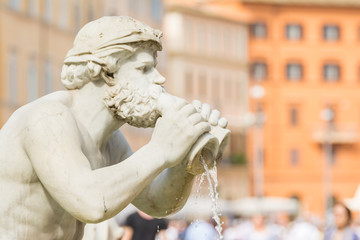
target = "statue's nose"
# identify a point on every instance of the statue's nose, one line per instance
(158, 78)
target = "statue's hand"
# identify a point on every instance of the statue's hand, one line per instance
(210, 115)
(177, 130)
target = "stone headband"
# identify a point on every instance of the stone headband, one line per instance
(109, 35)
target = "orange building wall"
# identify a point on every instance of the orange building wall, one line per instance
(310, 95)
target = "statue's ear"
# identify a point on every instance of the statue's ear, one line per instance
(94, 69)
(108, 77)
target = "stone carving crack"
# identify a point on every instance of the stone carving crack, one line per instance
(105, 208)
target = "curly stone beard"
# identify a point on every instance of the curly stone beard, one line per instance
(132, 104)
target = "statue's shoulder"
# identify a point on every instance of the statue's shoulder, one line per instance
(48, 108)
(42, 115)
(54, 104)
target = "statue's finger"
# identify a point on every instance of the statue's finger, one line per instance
(205, 111)
(214, 117)
(197, 104)
(223, 122)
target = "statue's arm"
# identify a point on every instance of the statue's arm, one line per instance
(54, 146)
(169, 191)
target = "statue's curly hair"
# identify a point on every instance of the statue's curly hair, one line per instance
(76, 75)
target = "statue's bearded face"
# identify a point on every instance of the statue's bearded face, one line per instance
(134, 98)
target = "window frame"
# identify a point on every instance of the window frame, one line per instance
(253, 28)
(297, 25)
(288, 68)
(324, 71)
(294, 116)
(32, 79)
(12, 76)
(48, 76)
(324, 32)
(294, 155)
(264, 68)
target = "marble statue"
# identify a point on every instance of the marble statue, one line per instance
(64, 161)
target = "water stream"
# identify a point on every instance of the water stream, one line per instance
(201, 180)
(211, 176)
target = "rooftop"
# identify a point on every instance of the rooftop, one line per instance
(224, 9)
(324, 3)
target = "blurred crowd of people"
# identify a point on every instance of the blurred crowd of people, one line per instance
(277, 226)
(282, 226)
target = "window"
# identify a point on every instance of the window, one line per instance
(331, 72)
(294, 116)
(293, 31)
(294, 157)
(258, 30)
(214, 39)
(91, 14)
(63, 14)
(33, 8)
(12, 77)
(201, 37)
(188, 29)
(259, 71)
(77, 17)
(202, 85)
(189, 83)
(156, 10)
(48, 77)
(32, 80)
(215, 88)
(48, 11)
(141, 6)
(331, 32)
(294, 72)
(241, 45)
(238, 90)
(132, 6)
(15, 5)
(230, 88)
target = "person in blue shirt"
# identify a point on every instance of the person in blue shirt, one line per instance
(342, 229)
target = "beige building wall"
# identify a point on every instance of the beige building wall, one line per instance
(207, 60)
(35, 36)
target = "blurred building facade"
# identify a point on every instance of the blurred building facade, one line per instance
(305, 59)
(299, 59)
(205, 57)
(35, 36)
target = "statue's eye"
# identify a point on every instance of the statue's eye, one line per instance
(144, 69)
